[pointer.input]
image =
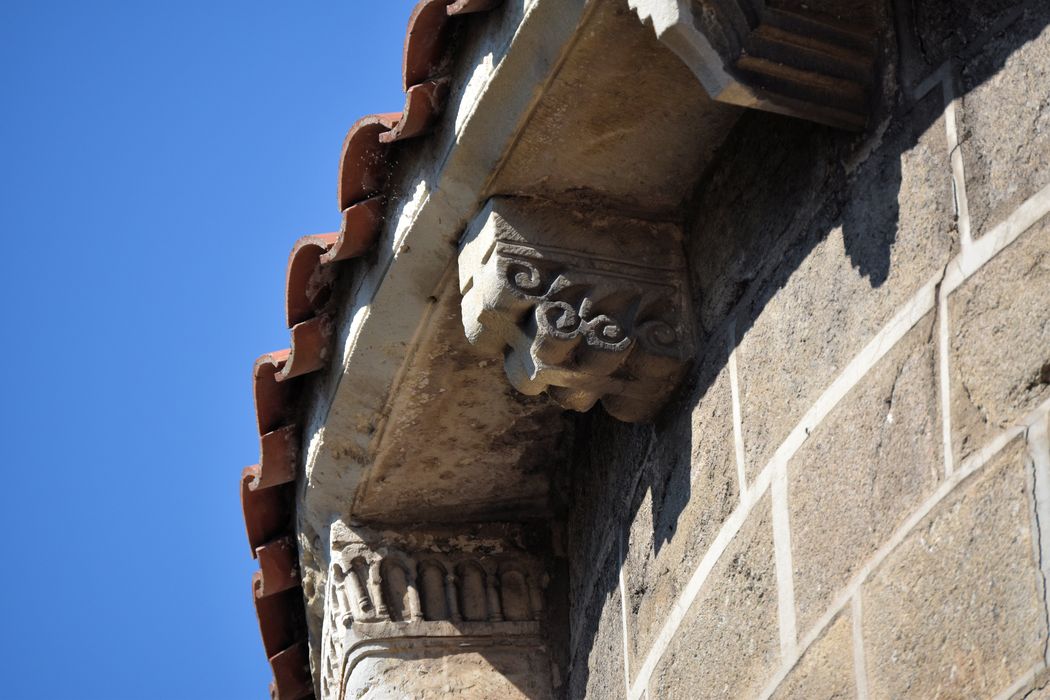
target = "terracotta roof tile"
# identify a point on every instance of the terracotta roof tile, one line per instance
(279, 626)
(278, 567)
(279, 454)
(273, 404)
(423, 105)
(363, 167)
(308, 282)
(358, 231)
(309, 348)
(291, 673)
(462, 7)
(426, 42)
(267, 488)
(267, 512)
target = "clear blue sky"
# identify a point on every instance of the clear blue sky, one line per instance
(158, 161)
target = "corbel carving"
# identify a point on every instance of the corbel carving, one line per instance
(745, 53)
(584, 306)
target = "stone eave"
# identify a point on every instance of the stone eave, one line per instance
(357, 329)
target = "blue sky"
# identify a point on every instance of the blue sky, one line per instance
(158, 161)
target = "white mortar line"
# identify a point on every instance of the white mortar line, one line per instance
(992, 243)
(934, 79)
(969, 466)
(944, 369)
(860, 663)
(1039, 453)
(681, 606)
(944, 78)
(623, 620)
(911, 312)
(1021, 682)
(738, 423)
(782, 553)
(962, 202)
(962, 213)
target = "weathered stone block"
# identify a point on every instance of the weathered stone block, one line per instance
(738, 222)
(834, 291)
(728, 643)
(872, 461)
(596, 669)
(1006, 115)
(946, 29)
(607, 467)
(825, 671)
(1000, 341)
(1038, 688)
(692, 489)
(957, 609)
(509, 674)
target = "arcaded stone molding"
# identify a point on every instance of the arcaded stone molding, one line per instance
(584, 306)
(397, 596)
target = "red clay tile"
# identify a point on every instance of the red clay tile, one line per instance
(308, 282)
(278, 567)
(267, 512)
(281, 619)
(310, 341)
(273, 401)
(267, 489)
(362, 166)
(291, 673)
(423, 105)
(358, 231)
(462, 7)
(425, 42)
(280, 453)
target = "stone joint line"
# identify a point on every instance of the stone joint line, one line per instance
(970, 466)
(782, 553)
(962, 267)
(623, 620)
(1039, 454)
(738, 423)
(860, 663)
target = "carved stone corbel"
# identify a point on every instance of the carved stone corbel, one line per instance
(745, 53)
(584, 306)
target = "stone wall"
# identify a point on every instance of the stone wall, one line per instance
(845, 498)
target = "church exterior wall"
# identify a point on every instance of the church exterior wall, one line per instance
(845, 497)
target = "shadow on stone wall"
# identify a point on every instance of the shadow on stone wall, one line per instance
(779, 188)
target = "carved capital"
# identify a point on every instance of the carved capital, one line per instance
(583, 306)
(397, 603)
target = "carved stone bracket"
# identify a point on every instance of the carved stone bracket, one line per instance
(397, 601)
(746, 53)
(583, 306)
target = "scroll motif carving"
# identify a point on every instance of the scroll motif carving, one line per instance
(584, 310)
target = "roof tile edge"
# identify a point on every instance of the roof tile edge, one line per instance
(267, 498)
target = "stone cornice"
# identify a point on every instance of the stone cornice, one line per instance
(381, 410)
